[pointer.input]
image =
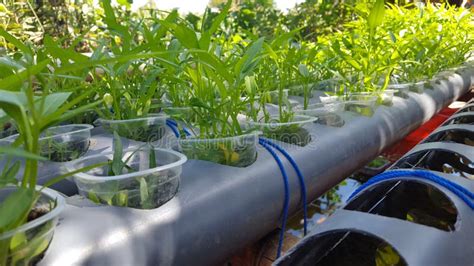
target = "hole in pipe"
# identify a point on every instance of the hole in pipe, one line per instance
(408, 200)
(439, 160)
(467, 120)
(454, 135)
(345, 248)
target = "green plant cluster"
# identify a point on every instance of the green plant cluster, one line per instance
(219, 66)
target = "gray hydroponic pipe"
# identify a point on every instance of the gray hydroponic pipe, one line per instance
(219, 210)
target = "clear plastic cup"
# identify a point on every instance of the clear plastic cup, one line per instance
(326, 114)
(237, 151)
(143, 184)
(61, 143)
(361, 103)
(292, 132)
(417, 87)
(26, 244)
(387, 96)
(330, 99)
(145, 129)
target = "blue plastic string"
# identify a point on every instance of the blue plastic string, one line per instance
(464, 194)
(173, 128)
(175, 124)
(300, 178)
(287, 194)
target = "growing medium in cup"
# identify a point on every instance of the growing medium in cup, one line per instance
(290, 129)
(238, 151)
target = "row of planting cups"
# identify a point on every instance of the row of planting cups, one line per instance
(149, 187)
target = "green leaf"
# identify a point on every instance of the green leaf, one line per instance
(117, 163)
(15, 208)
(17, 43)
(303, 70)
(15, 81)
(206, 35)
(143, 190)
(52, 102)
(18, 152)
(80, 170)
(9, 175)
(376, 15)
(93, 197)
(186, 36)
(17, 240)
(243, 65)
(152, 158)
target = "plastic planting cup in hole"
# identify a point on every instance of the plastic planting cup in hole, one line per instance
(146, 129)
(26, 245)
(330, 99)
(363, 104)
(326, 114)
(386, 97)
(61, 143)
(238, 151)
(144, 184)
(292, 131)
(404, 88)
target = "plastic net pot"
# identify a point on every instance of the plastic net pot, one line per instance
(363, 104)
(144, 184)
(61, 143)
(26, 245)
(326, 114)
(145, 129)
(293, 131)
(238, 151)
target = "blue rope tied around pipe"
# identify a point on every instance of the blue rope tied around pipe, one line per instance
(300, 178)
(460, 191)
(287, 193)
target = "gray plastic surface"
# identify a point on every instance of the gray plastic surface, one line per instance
(417, 244)
(219, 209)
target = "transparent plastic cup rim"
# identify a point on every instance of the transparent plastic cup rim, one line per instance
(60, 202)
(195, 139)
(145, 118)
(70, 166)
(403, 85)
(176, 108)
(304, 119)
(85, 127)
(314, 106)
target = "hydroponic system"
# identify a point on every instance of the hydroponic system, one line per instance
(150, 137)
